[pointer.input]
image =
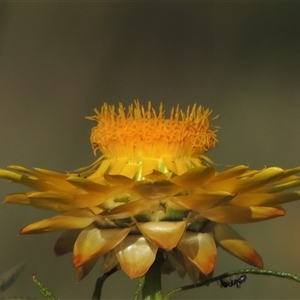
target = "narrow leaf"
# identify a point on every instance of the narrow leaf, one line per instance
(48, 295)
(10, 276)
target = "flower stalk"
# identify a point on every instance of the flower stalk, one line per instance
(152, 287)
(99, 284)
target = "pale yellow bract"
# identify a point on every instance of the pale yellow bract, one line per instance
(151, 192)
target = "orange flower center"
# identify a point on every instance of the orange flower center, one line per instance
(143, 133)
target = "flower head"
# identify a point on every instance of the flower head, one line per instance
(142, 140)
(151, 191)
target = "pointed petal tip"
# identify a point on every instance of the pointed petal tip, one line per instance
(24, 230)
(77, 261)
(258, 261)
(236, 245)
(252, 257)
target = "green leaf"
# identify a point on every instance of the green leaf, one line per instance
(10, 276)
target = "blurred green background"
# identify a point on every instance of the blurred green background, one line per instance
(58, 61)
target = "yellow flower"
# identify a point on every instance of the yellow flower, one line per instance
(153, 190)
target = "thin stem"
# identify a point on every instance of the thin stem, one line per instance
(139, 288)
(236, 272)
(48, 295)
(152, 286)
(99, 284)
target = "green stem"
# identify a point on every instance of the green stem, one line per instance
(139, 288)
(48, 295)
(236, 272)
(152, 285)
(99, 284)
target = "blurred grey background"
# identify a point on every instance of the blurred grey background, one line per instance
(58, 61)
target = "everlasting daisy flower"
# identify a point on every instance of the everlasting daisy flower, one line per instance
(153, 192)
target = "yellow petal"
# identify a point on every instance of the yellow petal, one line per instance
(22, 170)
(202, 201)
(85, 269)
(260, 179)
(89, 186)
(130, 170)
(198, 162)
(119, 180)
(93, 242)
(30, 181)
(110, 261)
(149, 164)
(176, 259)
(232, 242)
(240, 215)
(194, 273)
(66, 242)
(165, 235)
(131, 209)
(18, 198)
(50, 204)
(77, 218)
(200, 249)
(56, 181)
(56, 201)
(192, 270)
(136, 255)
(264, 199)
(170, 163)
(117, 165)
(51, 174)
(288, 175)
(88, 200)
(98, 168)
(64, 202)
(156, 190)
(261, 213)
(51, 201)
(180, 166)
(278, 187)
(230, 173)
(194, 177)
(251, 180)
(156, 176)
